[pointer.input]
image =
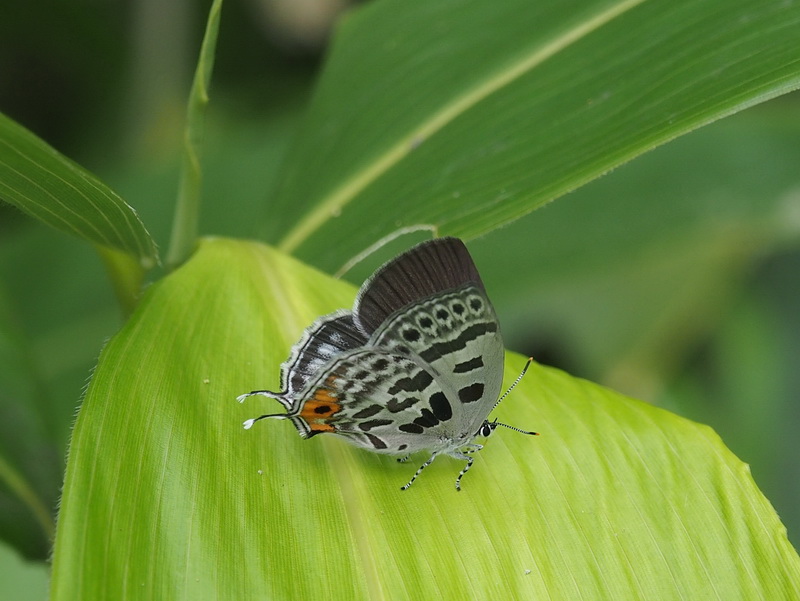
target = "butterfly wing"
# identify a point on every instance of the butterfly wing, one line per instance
(426, 270)
(417, 365)
(375, 399)
(326, 338)
(457, 335)
(430, 304)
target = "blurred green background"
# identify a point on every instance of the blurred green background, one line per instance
(675, 279)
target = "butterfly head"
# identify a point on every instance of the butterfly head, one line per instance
(488, 427)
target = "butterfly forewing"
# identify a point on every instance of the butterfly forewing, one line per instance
(455, 334)
(426, 270)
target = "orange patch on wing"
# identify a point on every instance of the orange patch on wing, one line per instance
(323, 395)
(321, 428)
(321, 406)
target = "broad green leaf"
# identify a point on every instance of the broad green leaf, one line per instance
(461, 116)
(633, 298)
(626, 296)
(48, 186)
(755, 381)
(167, 497)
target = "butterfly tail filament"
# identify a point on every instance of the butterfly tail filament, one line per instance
(248, 423)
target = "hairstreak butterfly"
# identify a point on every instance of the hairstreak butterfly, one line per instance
(417, 365)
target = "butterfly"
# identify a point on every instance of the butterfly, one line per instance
(417, 365)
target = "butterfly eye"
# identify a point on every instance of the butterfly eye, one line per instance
(485, 429)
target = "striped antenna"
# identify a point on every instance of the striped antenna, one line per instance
(510, 388)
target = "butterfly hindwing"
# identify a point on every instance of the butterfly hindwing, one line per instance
(326, 338)
(376, 399)
(457, 335)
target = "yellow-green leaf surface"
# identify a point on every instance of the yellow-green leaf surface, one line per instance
(167, 497)
(48, 186)
(462, 115)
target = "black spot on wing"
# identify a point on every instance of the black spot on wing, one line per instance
(376, 442)
(467, 366)
(441, 406)
(412, 428)
(367, 412)
(471, 393)
(380, 364)
(416, 383)
(440, 349)
(427, 419)
(396, 406)
(411, 335)
(373, 423)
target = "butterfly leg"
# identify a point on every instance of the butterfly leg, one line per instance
(422, 467)
(403, 459)
(464, 454)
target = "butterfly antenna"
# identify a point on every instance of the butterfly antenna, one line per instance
(521, 431)
(510, 388)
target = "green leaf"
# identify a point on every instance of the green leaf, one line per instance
(167, 497)
(461, 116)
(625, 292)
(187, 210)
(20, 580)
(48, 186)
(30, 460)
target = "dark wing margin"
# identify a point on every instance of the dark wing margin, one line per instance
(326, 338)
(427, 269)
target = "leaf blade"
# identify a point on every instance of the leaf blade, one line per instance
(615, 496)
(48, 186)
(438, 120)
(647, 75)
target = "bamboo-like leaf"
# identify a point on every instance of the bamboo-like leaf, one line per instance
(52, 188)
(460, 116)
(167, 497)
(187, 210)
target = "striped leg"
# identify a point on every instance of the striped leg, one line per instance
(403, 459)
(465, 455)
(422, 467)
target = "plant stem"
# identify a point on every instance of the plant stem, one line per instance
(187, 208)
